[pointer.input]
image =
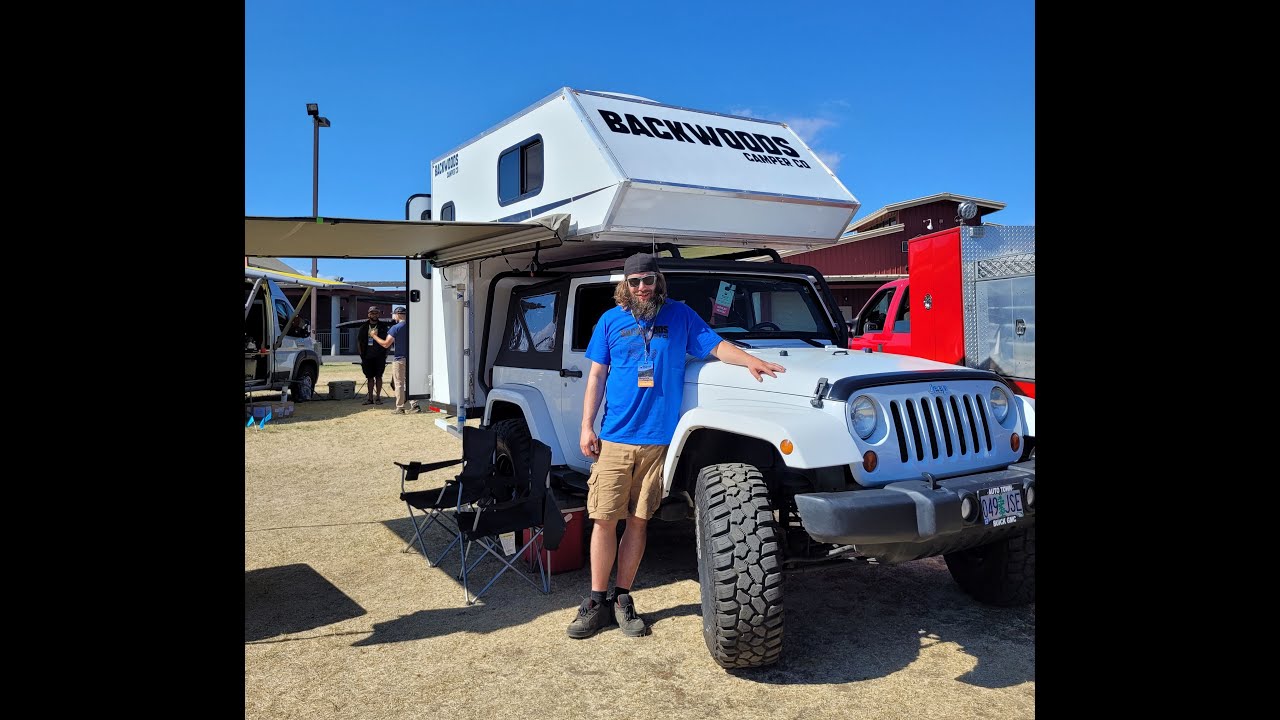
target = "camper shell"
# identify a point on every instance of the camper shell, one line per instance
(630, 169)
(846, 455)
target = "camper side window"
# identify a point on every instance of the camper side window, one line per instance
(520, 171)
(446, 212)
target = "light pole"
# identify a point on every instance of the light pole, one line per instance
(317, 122)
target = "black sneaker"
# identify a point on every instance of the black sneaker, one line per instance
(624, 612)
(591, 617)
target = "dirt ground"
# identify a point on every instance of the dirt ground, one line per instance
(340, 622)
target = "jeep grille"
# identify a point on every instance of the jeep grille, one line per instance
(929, 426)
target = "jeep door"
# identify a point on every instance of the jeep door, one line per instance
(589, 298)
(532, 353)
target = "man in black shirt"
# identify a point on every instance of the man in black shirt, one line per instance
(373, 358)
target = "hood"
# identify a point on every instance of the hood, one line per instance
(805, 366)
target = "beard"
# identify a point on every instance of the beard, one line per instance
(644, 310)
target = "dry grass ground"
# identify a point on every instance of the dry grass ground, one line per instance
(339, 623)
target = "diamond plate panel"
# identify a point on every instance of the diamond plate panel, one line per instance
(1008, 266)
(989, 253)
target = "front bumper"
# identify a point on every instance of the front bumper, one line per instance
(910, 513)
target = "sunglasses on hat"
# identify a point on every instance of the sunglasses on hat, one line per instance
(646, 279)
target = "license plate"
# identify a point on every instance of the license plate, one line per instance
(1001, 505)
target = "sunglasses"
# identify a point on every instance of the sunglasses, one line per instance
(646, 279)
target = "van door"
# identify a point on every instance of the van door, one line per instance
(257, 335)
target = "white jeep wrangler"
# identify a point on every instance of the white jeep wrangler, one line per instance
(845, 455)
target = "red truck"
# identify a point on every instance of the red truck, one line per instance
(970, 299)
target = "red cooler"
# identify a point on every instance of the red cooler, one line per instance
(571, 555)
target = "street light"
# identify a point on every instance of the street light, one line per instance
(317, 122)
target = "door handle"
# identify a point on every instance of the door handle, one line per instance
(1019, 327)
(570, 373)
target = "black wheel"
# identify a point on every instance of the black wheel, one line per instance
(514, 445)
(1002, 573)
(739, 566)
(766, 325)
(304, 384)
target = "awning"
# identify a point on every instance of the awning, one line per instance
(285, 278)
(441, 242)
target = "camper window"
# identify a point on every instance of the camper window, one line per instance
(446, 212)
(520, 171)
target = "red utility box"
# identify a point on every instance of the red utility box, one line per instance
(571, 555)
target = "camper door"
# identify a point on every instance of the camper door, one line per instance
(418, 282)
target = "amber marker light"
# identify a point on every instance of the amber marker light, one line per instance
(786, 446)
(1015, 442)
(870, 461)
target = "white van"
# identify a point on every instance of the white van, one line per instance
(278, 349)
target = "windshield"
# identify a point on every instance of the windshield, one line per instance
(754, 306)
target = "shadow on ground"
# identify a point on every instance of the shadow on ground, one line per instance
(848, 622)
(290, 599)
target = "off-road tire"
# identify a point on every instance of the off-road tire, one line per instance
(514, 445)
(303, 387)
(1001, 573)
(739, 566)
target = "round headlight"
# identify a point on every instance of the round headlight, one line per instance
(999, 404)
(863, 413)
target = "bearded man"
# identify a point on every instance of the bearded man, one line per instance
(637, 353)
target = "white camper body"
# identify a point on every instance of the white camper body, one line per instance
(624, 171)
(626, 168)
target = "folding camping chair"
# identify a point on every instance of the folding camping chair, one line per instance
(532, 508)
(467, 487)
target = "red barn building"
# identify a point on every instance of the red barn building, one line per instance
(873, 250)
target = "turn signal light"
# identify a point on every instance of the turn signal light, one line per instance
(1015, 442)
(870, 461)
(786, 446)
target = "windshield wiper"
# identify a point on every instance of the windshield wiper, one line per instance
(813, 342)
(739, 343)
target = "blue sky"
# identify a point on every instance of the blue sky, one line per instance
(901, 98)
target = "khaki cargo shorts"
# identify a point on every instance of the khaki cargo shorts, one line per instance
(626, 480)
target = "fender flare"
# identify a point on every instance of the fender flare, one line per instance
(534, 408)
(303, 356)
(772, 424)
(1027, 406)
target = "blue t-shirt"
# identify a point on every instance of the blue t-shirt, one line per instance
(647, 416)
(400, 333)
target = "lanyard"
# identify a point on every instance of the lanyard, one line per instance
(646, 333)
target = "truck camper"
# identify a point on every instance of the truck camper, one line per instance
(847, 456)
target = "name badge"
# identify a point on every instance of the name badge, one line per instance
(644, 374)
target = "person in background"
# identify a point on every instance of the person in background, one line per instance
(373, 358)
(637, 353)
(398, 336)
